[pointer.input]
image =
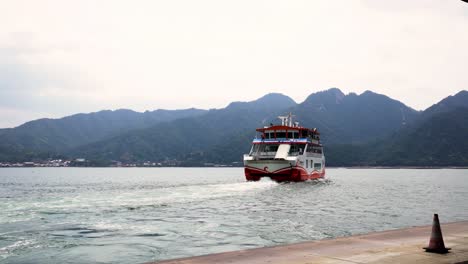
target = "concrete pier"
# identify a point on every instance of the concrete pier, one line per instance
(395, 246)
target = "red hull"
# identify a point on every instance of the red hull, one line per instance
(293, 174)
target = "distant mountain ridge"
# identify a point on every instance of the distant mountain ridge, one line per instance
(55, 136)
(188, 138)
(440, 140)
(452, 102)
(353, 118)
(368, 129)
(436, 138)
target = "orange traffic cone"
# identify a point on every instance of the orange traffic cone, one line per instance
(436, 243)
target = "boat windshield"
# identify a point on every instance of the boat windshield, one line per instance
(296, 149)
(264, 150)
(270, 150)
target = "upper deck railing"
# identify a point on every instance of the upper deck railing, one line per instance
(288, 130)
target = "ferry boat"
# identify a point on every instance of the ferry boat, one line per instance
(285, 153)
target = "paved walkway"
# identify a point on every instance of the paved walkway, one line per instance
(395, 246)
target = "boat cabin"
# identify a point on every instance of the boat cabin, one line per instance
(281, 132)
(286, 139)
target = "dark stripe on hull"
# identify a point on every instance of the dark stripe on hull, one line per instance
(292, 174)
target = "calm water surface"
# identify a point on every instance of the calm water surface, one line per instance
(116, 215)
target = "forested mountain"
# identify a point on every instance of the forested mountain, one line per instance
(222, 136)
(353, 118)
(341, 119)
(450, 103)
(56, 136)
(189, 139)
(440, 140)
(357, 130)
(437, 138)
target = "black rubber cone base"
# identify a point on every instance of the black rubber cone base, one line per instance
(438, 251)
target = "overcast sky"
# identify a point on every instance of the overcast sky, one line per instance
(61, 57)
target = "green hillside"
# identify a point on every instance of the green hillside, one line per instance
(357, 130)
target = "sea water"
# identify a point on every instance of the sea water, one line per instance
(135, 215)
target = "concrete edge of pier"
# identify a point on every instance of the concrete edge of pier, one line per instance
(393, 246)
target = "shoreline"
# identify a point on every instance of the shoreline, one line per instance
(224, 167)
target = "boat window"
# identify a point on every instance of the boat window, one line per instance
(264, 150)
(295, 134)
(314, 149)
(290, 135)
(318, 166)
(270, 148)
(280, 134)
(267, 149)
(307, 163)
(296, 149)
(254, 149)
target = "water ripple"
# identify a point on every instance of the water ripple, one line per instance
(139, 215)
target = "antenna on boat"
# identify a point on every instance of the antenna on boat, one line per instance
(284, 120)
(290, 118)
